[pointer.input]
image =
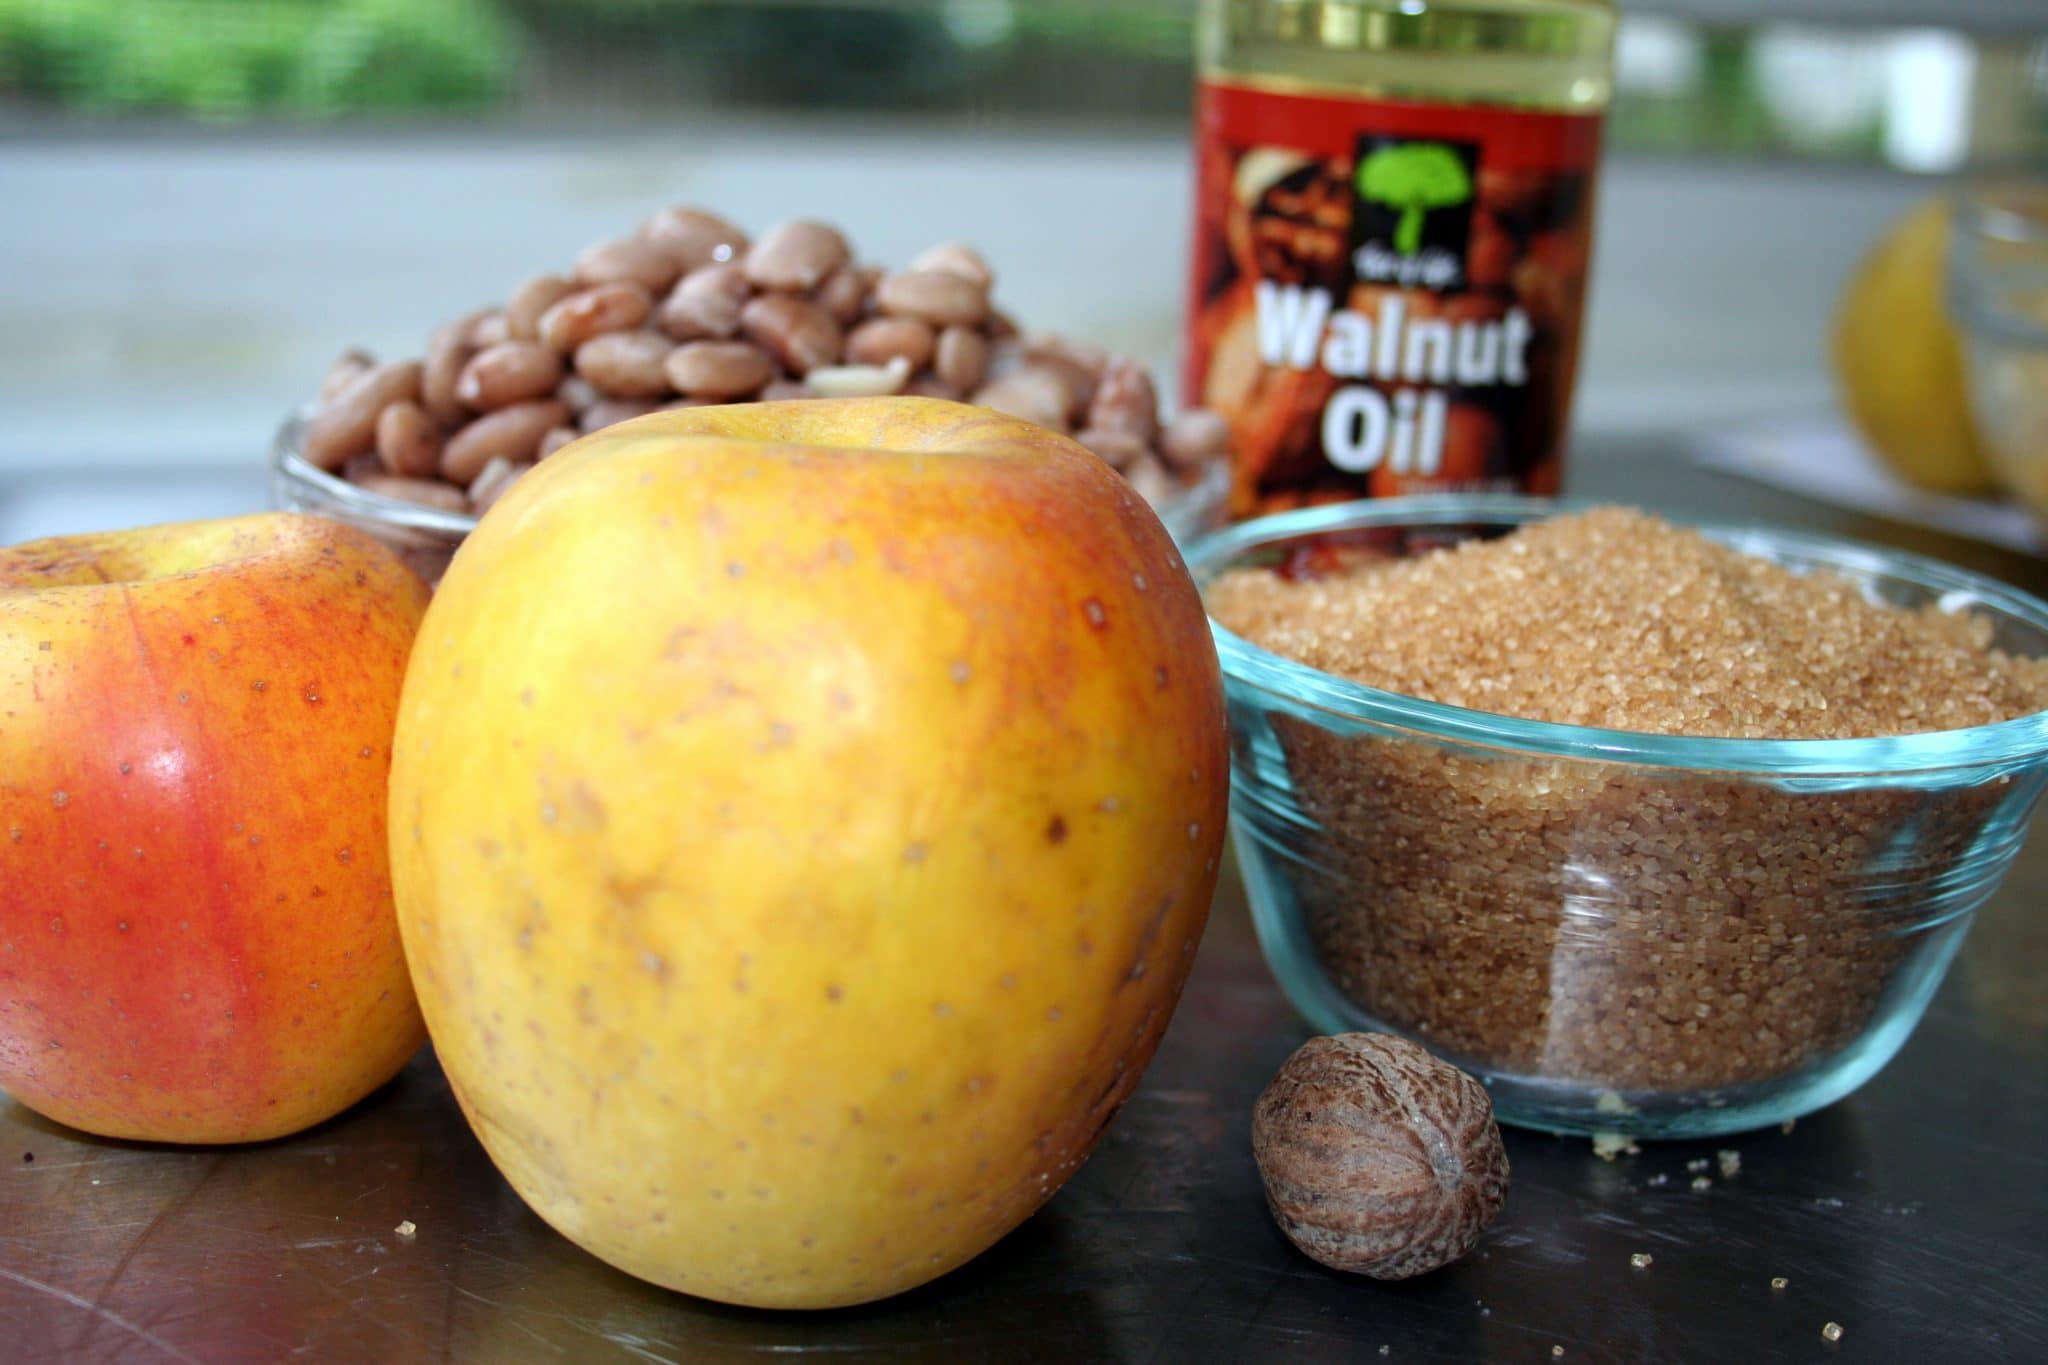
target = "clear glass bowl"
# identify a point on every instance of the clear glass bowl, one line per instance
(1998, 294)
(1616, 932)
(427, 538)
(424, 536)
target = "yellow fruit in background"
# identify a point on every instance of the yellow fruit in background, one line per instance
(1899, 363)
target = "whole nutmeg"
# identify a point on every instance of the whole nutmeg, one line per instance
(1378, 1158)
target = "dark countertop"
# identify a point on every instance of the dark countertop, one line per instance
(1914, 1213)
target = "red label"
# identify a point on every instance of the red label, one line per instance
(1386, 296)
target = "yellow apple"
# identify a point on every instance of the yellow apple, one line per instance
(1898, 358)
(197, 941)
(803, 817)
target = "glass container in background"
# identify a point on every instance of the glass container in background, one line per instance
(1998, 296)
(1393, 224)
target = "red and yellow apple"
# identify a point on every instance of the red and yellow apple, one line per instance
(803, 816)
(197, 941)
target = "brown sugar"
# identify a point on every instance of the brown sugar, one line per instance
(1615, 619)
(1601, 922)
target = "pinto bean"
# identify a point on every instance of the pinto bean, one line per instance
(490, 329)
(845, 293)
(1193, 439)
(347, 368)
(426, 492)
(694, 237)
(509, 372)
(512, 432)
(408, 441)
(348, 425)
(705, 303)
(719, 369)
(492, 481)
(938, 297)
(626, 364)
(448, 351)
(629, 260)
(798, 333)
(956, 258)
(1125, 401)
(881, 340)
(1033, 394)
(614, 307)
(531, 299)
(1118, 449)
(612, 411)
(797, 255)
(962, 358)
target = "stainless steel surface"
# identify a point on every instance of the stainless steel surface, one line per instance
(1912, 1213)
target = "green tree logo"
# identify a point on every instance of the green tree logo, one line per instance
(1414, 177)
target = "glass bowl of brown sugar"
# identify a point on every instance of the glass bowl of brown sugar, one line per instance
(1658, 831)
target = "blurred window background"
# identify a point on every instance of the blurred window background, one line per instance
(1924, 87)
(202, 202)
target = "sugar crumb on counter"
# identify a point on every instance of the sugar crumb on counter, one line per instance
(1608, 1146)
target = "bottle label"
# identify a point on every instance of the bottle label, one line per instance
(1386, 295)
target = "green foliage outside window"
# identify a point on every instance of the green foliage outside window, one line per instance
(233, 58)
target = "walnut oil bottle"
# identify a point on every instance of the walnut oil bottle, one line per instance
(1393, 220)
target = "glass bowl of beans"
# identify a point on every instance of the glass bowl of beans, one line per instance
(425, 520)
(689, 308)
(425, 535)
(1660, 832)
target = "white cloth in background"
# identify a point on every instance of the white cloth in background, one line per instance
(1818, 456)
